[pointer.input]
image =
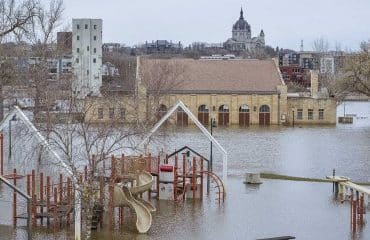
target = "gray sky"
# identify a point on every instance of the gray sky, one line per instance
(285, 22)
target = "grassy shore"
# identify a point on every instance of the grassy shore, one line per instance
(302, 179)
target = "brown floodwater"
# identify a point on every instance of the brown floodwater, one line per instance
(274, 208)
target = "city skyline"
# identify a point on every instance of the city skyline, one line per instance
(284, 24)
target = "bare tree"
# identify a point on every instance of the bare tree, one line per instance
(321, 45)
(160, 77)
(16, 16)
(356, 74)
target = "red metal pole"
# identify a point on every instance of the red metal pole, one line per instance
(201, 178)
(361, 222)
(111, 208)
(28, 184)
(34, 208)
(33, 189)
(60, 187)
(113, 168)
(175, 179)
(1, 154)
(15, 199)
(158, 171)
(48, 199)
(41, 197)
(194, 178)
(354, 215)
(69, 199)
(55, 208)
(183, 175)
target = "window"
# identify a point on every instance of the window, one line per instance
(310, 114)
(86, 26)
(77, 60)
(94, 50)
(94, 38)
(299, 114)
(321, 114)
(122, 113)
(95, 27)
(94, 60)
(88, 48)
(78, 26)
(78, 50)
(78, 38)
(100, 113)
(111, 113)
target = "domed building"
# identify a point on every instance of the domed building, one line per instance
(241, 39)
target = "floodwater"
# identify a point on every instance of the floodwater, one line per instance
(274, 208)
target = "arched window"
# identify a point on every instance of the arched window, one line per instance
(203, 114)
(182, 118)
(244, 115)
(203, 108)
(223, 115)
(264, 115)
(264, 109)
(244, 108)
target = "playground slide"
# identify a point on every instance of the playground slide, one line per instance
(128, 196)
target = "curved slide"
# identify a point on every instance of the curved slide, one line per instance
(124, 196)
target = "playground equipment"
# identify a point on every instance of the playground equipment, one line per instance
(344, 189)
(129, 196)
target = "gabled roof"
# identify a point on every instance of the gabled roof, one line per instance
(210, 76)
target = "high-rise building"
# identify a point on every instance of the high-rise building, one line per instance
(87, 56)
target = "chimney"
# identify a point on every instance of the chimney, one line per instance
(314, 83)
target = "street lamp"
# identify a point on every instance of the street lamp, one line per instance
(13, 119)
(293, 117)
(210, 165)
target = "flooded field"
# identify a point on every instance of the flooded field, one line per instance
(275, 208)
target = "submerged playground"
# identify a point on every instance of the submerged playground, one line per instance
(174, 183)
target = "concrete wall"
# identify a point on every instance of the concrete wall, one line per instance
(328, 105)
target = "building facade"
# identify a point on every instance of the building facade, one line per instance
(233, 92)
(241, 39)
(87, 56)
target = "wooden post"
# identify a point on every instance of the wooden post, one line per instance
(69, 199)
(361, 220)
(183, 175)
(194, 178)
(175, 179)
(41, 198)
(1, 154)
(34, 210)
(354, 216)
(28, 184)
(47, 199)
(111, 208)
(55, 208)
(201, 178)
(158, 171)
(113, 168)
(122, 165)
(33, 189)
(60, 188)
(15, 198)
(101, 197)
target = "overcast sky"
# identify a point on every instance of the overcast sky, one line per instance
(285, 22)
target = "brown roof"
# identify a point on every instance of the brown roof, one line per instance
(217, 76)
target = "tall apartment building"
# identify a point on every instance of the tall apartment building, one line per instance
(87, 56)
